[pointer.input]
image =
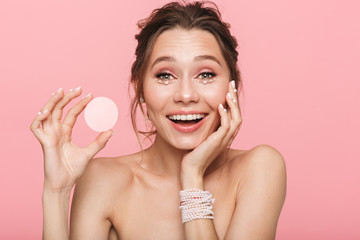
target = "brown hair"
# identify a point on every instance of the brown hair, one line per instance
(186, 16)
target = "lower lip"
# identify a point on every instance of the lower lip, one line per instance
(188, 129)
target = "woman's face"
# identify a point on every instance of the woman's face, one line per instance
(185, 81)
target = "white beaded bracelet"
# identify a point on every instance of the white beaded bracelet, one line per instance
(196, 204)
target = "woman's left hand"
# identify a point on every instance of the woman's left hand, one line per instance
(196, 162)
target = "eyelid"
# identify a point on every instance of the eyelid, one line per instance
(206, 80)
(199, 79)
(164, 81)
(209, 73)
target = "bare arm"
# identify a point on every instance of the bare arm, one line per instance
(92, 203)
(259, 200)
(199, 228)
(260, 197)
(196, 162)
(55, 214)
(64, 162)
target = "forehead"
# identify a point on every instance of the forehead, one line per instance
(186, 44)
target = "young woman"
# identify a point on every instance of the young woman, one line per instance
(185, 78)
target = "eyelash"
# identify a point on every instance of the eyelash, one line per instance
(160, 78)
(166, 78)
(163, 74)
(207, 73)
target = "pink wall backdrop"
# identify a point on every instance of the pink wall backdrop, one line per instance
(300, 64)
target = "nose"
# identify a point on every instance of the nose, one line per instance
(186, 92)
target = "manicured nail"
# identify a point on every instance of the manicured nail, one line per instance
(229, 95)
(77, 89)
(89, 95)
(233, 83)
(235, 91)
(71, 90)
(222, 107)
(45, 111)
(53, 94)
(39, 113)
(59, 90)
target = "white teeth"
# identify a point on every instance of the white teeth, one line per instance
(188, 117)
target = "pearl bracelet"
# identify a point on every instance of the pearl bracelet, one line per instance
(196, 204)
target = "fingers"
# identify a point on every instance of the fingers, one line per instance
(52, 111)
(232, 101)
(36, 127)
(54, 99)
(234, 114)
(51, 103)
(45, 113)
(224, 121)
(58, 110)
(99, 143)
(74, 112)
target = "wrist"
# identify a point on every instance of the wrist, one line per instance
(49, 190)
(192, 180)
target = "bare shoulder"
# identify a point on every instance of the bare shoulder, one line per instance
(103, 181)
(95, 196)
(105, 172)
(260, 158)
(261, 189)
(261, 168)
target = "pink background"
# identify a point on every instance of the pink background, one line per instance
(300, 63)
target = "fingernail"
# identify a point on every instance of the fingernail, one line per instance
(45, 111)
(77, 89)
(233, 83)
(39, 113)
(235, 91)
(53, 94)
(222, 107)
(229, 95)
(87, 96)
(59, 90)
(71, 90)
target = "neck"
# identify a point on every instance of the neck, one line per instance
(163, 159)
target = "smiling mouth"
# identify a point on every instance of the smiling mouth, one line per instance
(186, 119)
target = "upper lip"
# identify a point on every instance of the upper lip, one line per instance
(185, 113)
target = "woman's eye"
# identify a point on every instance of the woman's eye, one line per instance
(164, 78)
(206, 77)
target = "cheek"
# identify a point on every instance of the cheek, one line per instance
(216, 95)
(155, 98)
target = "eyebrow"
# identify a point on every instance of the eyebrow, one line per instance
(207, 57)
(163, 59)
(197, 58)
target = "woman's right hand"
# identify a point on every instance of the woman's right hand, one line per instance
(64, 162)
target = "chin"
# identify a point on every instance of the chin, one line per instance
(187, 143)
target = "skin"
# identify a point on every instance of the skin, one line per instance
(137, 196)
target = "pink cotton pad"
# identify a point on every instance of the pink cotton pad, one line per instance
(101, 114)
